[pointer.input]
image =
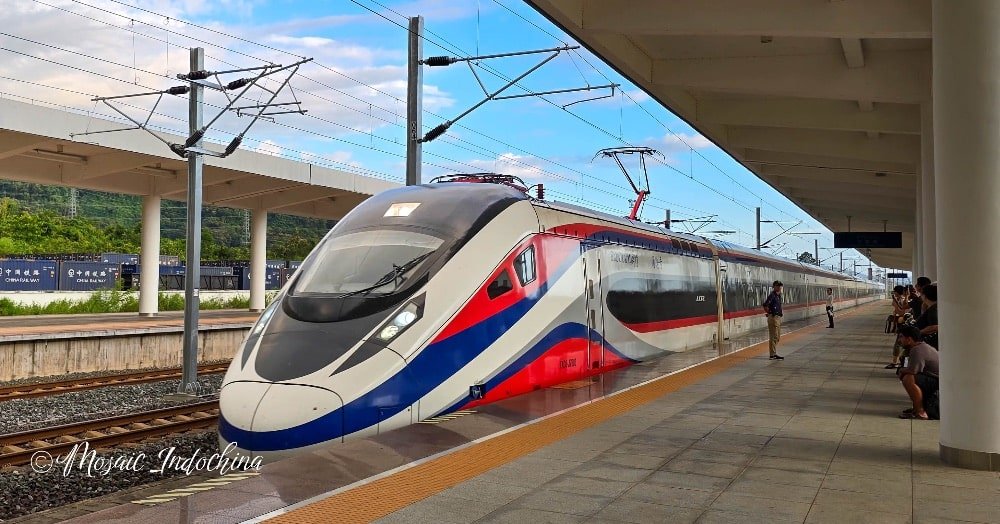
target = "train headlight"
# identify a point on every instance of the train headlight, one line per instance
(389, 332)
(401, 320)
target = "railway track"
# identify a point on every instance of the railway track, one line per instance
(17, 448)
(64, 386)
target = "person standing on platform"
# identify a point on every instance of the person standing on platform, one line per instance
(772, 309)
(829, 306)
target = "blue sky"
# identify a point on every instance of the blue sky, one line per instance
(354, 90)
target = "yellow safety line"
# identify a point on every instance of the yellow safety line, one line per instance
(187, 491)
(389, 494)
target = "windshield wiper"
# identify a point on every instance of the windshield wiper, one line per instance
(396, 272)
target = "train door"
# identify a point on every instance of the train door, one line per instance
(595, 307)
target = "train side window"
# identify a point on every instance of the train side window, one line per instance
(524, 266)
(675, 243)
(500, 285)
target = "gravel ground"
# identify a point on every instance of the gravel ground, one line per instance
(24, 491)
(52, 410)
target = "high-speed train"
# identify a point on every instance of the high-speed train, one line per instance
(429, 299)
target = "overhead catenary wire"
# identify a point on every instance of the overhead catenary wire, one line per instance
(456, 162)
(644, 109)
(306, 77)
(451, 48)
(494, 153)
(677, 136)
(511, 160)
(314, 157)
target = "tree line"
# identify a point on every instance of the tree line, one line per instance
(37, 219)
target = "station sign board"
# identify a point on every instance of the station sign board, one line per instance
(868, 240)
(897, 275)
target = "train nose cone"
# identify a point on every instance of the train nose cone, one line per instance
(274, 420)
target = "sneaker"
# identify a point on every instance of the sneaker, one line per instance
(777, 357)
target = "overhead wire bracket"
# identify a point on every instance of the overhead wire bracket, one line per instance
(441, 61)
(200, 78)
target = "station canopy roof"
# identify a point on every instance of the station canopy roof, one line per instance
(36, 146)
(820, 98)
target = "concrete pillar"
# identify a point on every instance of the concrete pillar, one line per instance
(928, 251)
(918, 241)
(258, 258)
(149, 256)
(966, 92)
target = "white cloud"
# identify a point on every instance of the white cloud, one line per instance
(525, 167)
(339, 159)
(269, 147)
(679, 142)
(441, 10)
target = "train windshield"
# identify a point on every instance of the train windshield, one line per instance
(374, 262)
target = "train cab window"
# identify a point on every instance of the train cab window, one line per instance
(524, 266)
(500, 285)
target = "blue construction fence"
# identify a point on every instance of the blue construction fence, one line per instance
(121, 271)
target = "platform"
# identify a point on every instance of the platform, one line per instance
(56, 345)
(47, 327)
(813, 438)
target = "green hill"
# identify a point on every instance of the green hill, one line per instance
(35, 219)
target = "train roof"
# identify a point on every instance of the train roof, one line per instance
(512, 191)
(729, 247)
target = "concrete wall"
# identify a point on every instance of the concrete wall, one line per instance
(46, 357)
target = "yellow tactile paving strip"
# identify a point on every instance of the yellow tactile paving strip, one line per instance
(389, 494)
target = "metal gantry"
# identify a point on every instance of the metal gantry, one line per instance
(193, 149)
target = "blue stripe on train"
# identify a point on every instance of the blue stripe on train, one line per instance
(434, 365)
